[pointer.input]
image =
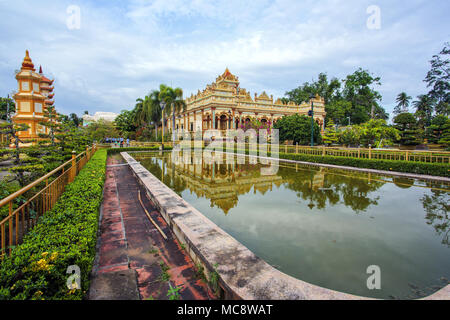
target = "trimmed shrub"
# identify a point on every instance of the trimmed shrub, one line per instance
(64, 236)
(434, 169)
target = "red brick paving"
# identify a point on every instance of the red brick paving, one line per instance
(129, 242)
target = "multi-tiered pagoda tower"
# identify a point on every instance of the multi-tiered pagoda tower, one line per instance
(33, 96)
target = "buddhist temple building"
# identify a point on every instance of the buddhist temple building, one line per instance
(35, 93)
(46, 88)
(224, 105)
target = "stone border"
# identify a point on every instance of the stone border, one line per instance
(242, 275)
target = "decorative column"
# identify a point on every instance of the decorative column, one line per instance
(234, 121)
(195, 121)
(213, 118)
(202, 121)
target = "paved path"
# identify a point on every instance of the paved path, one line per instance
(133, 260)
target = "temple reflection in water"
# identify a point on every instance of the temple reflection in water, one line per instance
(223, 183)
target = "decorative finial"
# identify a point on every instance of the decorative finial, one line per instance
(40, 70)
(27, 64)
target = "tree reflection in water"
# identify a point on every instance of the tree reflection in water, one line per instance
(437, 207)
(320, 187)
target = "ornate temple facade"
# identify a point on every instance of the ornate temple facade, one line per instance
(224, 105)
(34, 95)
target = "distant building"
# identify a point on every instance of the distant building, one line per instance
(224, 105)
(33, 96)
(107, 116)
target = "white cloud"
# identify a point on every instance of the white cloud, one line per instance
(124, 50)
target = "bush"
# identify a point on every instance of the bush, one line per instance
(64, 236)
(434, 169)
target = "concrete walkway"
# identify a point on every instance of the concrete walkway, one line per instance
(133, 260)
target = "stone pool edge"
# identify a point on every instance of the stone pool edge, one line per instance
(242, 275)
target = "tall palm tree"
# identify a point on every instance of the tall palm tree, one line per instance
(174, 102)
(154, 109)
(402, 103)
(139, 112)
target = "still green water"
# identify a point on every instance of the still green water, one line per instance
(325, 226)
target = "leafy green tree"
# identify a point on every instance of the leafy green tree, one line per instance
(403, 101)
(52, 122)
(124, 122)
(174, 102)
(378, 133)
(6, 104)
(350, 136)
(437, 128)
(97, 131)
(330, 135)
(424, 110)
(329, 90)
(445, 136)
(359, 90)
(338, 111)
(438, 80)
(298, 129)
(409, 131)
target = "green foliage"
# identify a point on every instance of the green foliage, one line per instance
(124, 122)
(445, 137)
(410, 134)
(64, 236)
(101, 129)
(371, 133)
(330, 135)
(403, 101)
(4, 107)
(173, 293)
(438, 80)
(437, 128)
(298, 129)
(435, 169)
(356, 99)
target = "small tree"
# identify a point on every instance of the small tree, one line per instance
(445, 137)
(407, 125)
(51, 121)
(298, 129)
(330, 135)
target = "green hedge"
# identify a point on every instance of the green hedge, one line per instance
(64, 236)
(118, 150)
(434, 169)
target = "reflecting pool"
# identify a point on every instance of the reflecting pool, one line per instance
(325, 226)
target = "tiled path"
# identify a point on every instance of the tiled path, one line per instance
(133, 260)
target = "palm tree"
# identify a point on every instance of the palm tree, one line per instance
(402, 103)
(154, 109)
(139, 114)
(424, 109)
(174, 102)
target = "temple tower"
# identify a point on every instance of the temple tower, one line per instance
(30, 102)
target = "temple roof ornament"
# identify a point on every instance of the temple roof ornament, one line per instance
(27, 64)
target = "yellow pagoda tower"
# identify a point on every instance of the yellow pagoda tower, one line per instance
(30, 102)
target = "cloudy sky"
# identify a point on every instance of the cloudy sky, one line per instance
(123, 49)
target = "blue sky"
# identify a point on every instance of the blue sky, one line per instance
(124, 49)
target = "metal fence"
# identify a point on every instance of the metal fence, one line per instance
(23, 217)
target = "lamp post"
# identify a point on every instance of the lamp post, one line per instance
(348, 121)
(229, 119)
(312, 119)
(162, 105)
